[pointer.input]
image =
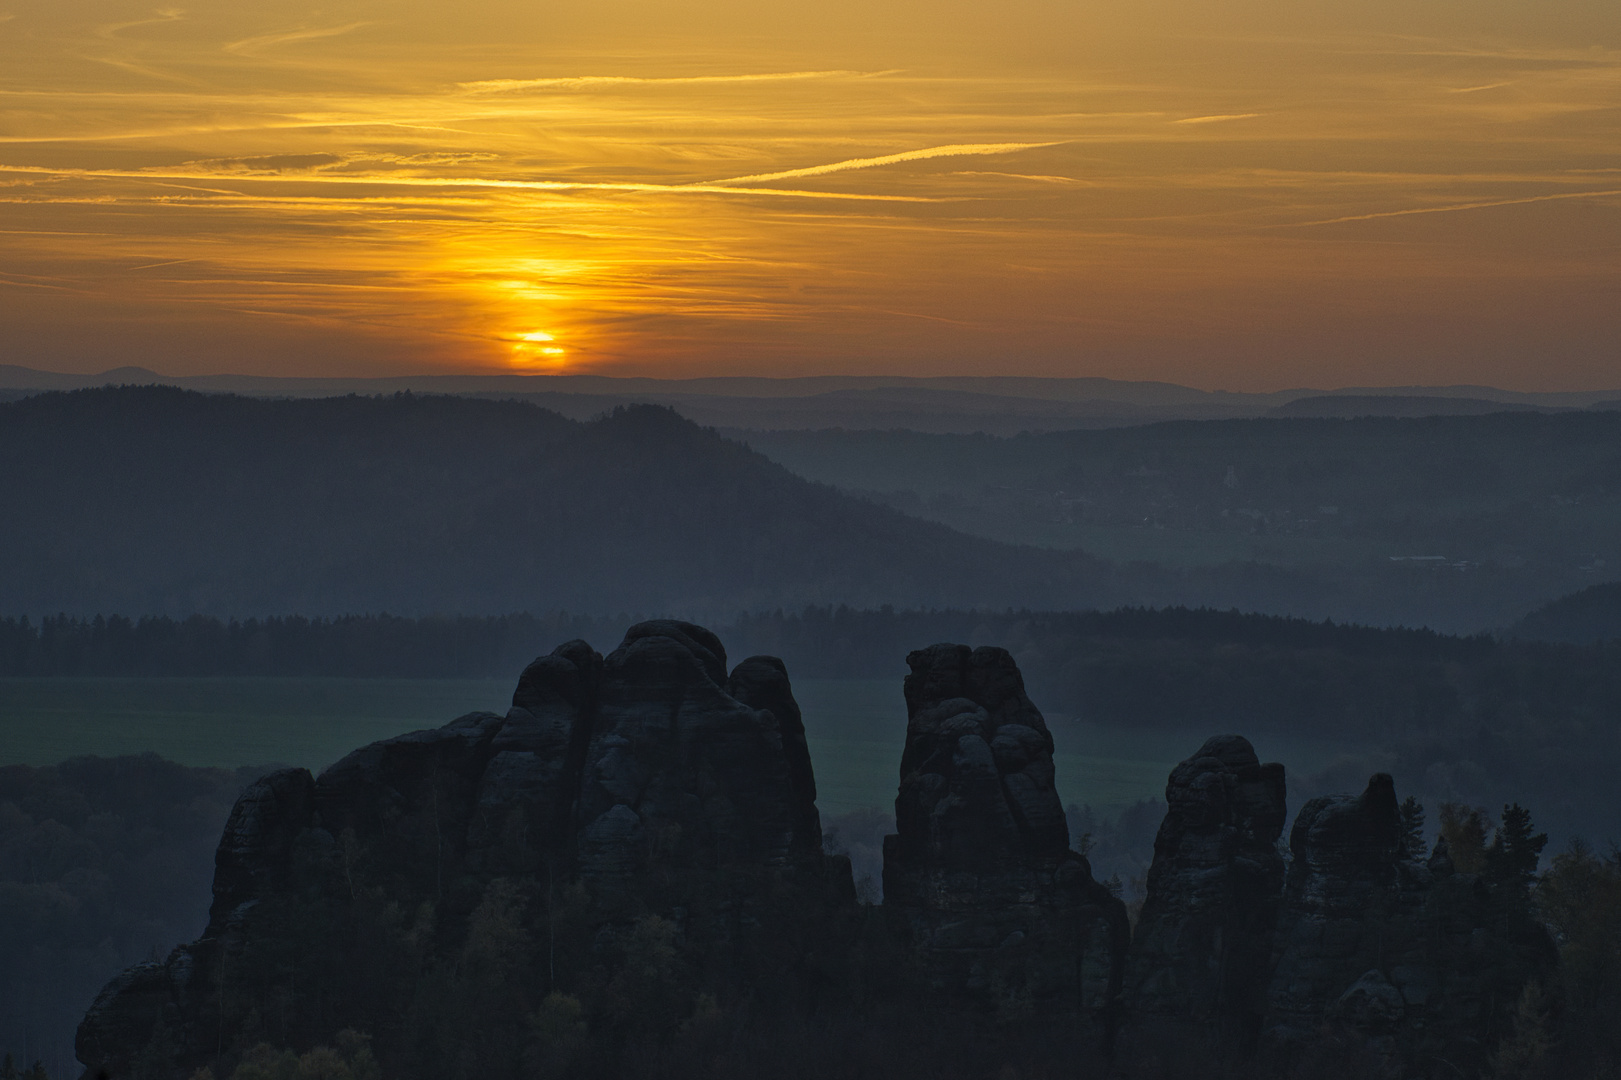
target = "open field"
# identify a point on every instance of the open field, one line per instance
(855, 727)
(226, 721)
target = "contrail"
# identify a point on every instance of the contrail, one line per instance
(715, 187)
(576, 82)
(1218, 118)
(1456, 206)
(953, 150)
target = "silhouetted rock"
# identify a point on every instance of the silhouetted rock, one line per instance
(1203, 943)
(660, 785)
(679, 771)
(641, 830)
(1349, 884)
(979, 877)
(1421, 962)
(761, 682)
(255, 851)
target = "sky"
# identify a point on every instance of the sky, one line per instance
(1245, 195)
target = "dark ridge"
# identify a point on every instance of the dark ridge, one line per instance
(170, 501)
(823, 640)
(1584, 618)
(1358, 405)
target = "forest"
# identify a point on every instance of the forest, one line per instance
(104, 862)
(1474, 719)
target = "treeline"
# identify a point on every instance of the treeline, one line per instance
(1471, 719)
(833, 641)
(356, 646)
(820, 642)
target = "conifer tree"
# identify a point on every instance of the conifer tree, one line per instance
(1412, 828)
(1464, 828)
(1512, 859)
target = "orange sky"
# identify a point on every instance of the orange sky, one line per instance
(1245, 195)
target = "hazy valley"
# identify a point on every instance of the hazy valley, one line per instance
(250, 582)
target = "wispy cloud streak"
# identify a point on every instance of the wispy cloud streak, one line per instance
(714, 188)
(593, 82)
(714, 184)
(255, 45)
(954, 150)
(1483, 205)
(1220, 118)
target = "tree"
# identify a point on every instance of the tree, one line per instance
(1580, 899)
(1515, 851)
(1519, 1055)
(1412, 828)
(1464, 828)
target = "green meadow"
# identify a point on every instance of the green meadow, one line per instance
(855, 728)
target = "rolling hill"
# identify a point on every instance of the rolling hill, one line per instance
(161, 500)
(1587, 617)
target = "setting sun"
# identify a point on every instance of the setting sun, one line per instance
(1250, 195)
(534, 351)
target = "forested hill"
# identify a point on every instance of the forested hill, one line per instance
(160, 500)
(1582, 618)
(1457, 522)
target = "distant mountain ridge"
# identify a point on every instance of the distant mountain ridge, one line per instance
(1588, 617)
(167, 501)
(1003, 405)
(1349, 406)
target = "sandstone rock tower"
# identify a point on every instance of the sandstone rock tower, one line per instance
(979, 877)
(1202, 949)
(652, 783)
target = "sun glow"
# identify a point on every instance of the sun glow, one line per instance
(535, 351)
(326, 188)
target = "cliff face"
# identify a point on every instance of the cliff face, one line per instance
(979, 878)
(653, 780)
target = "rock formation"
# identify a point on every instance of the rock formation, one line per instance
(1407, 961)
(1350, 887)
(1422, 962)
(1202, 948)
(979, 878)
(660, 784)
(638, 838)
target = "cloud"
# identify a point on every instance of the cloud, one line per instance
(254, 45)
(164, 15)
(952, 150)
(280, 164)
(1217, 119)
(269, 163)
(1039, 177)
(1459, 206)
(586, 82)
(715, 187)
